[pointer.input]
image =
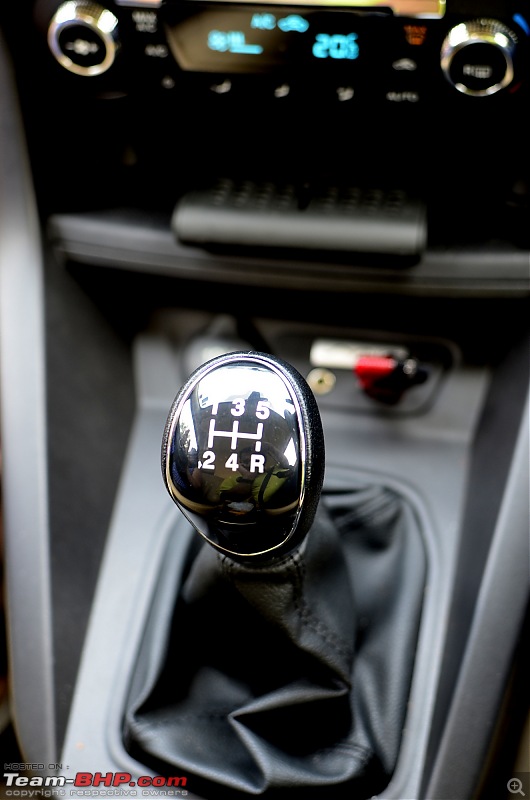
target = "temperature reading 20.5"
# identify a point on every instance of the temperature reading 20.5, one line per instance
(337, 45)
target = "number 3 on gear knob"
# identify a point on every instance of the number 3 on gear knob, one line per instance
(243, 455)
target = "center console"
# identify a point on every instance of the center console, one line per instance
(344, 187)
(301, 129)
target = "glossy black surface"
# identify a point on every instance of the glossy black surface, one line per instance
(235, 454)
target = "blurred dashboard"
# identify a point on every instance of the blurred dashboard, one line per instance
(306, 146)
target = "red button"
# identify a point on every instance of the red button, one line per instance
(372, 368)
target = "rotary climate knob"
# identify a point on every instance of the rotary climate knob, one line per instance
(477, 57)
(83, 37)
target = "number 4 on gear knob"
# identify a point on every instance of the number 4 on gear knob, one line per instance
(243, 455)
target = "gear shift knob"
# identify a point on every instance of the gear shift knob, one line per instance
(243, 455)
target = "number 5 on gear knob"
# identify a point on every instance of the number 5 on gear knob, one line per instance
(243, 455)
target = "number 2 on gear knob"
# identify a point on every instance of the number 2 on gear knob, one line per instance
(243, 455)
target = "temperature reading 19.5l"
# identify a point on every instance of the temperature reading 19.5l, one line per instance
(337, 45)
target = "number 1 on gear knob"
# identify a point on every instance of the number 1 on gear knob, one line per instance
(243, 455)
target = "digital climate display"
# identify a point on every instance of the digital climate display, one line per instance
(256, 39)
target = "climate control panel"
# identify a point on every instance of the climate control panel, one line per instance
(396, 53)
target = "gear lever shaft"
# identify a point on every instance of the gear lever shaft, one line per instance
(243, 455)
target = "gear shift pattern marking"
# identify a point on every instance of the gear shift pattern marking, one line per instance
(235, 435)
(238, 455)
